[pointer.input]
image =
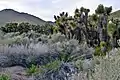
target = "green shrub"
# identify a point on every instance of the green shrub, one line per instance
(98, 49)
(79, 64)
(102, 44)
(98, 52)
(52, 65)
(64, 57)
(111, 28)
(33, 70)
(108, 68)
(4, 77)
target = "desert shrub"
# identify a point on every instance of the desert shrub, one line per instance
(42, 53)
(25, 55)
(103, 68)
(100, 68)
(108, 69)
(78, 64)
(32, 34)
(71, 50)
(43, 38)
(85, 65)
(57, 38)
(14, 40)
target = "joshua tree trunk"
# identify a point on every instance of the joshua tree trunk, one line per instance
(86, 26)
(105, 18)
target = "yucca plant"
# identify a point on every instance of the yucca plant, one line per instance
(33, 70)
(52, 65)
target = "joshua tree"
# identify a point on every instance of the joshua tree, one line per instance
(86, 11)
(80, 24)
(103, 13)
(81, 19)
(93, 20)
(61, 22)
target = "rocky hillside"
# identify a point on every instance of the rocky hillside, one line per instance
(10, 15)
(115, 14)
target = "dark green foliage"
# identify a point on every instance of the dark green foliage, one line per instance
(98, 52)
(86, 10)
(94, 17)
(55, 17)
(102, 49)
(64, 57)
(26, 27)
(66, 15)
(15, 27)
(100, 9)
(108, 10)
(76, 11)
(82, 9)
(61, 22)
(10, 27)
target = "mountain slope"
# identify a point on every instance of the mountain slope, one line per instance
(115, 14)
(9, 15)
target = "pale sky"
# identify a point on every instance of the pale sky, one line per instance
(45, 9)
